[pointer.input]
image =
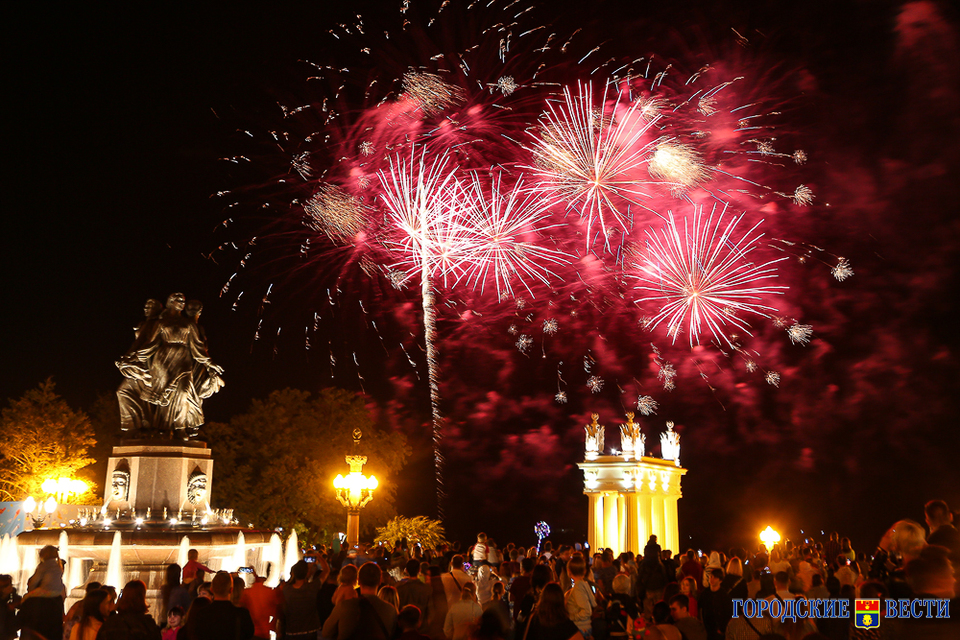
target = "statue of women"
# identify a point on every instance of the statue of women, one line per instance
(170, 356)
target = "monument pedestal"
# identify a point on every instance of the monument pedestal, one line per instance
(158, 475)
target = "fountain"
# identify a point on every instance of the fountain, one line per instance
(159, 478)
(292, 554)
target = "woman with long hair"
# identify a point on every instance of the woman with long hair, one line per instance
(549, 620)
(91, 617)
(132, 619)
(389, 594)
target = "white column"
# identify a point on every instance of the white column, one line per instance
(656, 518)
(592, 498)
(643, 520)
(671, 525)
(621, 523)
(611, 530)
(632, 523)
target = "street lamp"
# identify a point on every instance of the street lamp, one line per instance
(769, 538)
(355, 490)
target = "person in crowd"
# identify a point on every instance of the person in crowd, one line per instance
(494, 557)
(817, 588)
(366, 616)
(777, 563)
(193, 566)
(579, 600)
(132, 620)
(690, 627)
(91, 617)
(348, 584)
(831, 549)
(479, 555)
(486, 578)
(715, 607)
(942, 531)
(651, 577)
(689, 588)
(408, 621)
(454, 580)
(662, 622)
(734, 584)
(196, 584)
(174, 623)
(620, 610)
(263, 603)
(691, 567)
(9, 600)
(300, 616)
(782, 583)
(604, 572)
(433, 624)
(463, 614)
(538, 580)
(73, 615)
(388, 594)
(173, 593)
(41, 610)
(188, 630)
(549, 620)
(521, 585)
(412, 591)
(499, 607)
(221, 620)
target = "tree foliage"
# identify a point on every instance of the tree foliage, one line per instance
(42, 437)
(427, 531)
(275, 464)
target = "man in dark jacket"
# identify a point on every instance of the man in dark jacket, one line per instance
(221, 620)
(412, 591)
(365, 617)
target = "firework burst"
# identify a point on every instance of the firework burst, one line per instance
(701, 276)
(592, 160)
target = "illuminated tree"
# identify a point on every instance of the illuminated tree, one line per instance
(426, 531)
(42, 438)
(275, 464)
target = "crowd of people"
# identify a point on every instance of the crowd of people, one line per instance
(407, 592)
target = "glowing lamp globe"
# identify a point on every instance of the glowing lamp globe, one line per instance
(769, 537)
(29, 504)
(50, 505)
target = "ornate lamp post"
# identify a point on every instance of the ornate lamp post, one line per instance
(355, 490)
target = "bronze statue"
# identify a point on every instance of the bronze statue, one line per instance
(168, 371)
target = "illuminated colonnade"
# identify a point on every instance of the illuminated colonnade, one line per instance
(632, 496)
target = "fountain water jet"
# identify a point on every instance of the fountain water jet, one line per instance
(292, 555)
(115, 564)
(273, 557)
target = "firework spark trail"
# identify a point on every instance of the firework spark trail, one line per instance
(592, 160)
(417, 196)
(499, 219)
(702, 277)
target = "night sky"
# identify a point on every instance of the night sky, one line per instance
(116, 121)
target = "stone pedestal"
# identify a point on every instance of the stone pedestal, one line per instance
(159, 474)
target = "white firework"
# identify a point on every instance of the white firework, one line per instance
(803, 196)
(773, 378)
(843, 270)
(701, 275)
(524, 342)
(595, 384)
(550, 326)
(800, 333)
(646, 405)
(561, 397)
(506, 85)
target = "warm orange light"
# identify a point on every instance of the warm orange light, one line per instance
(769, 538)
